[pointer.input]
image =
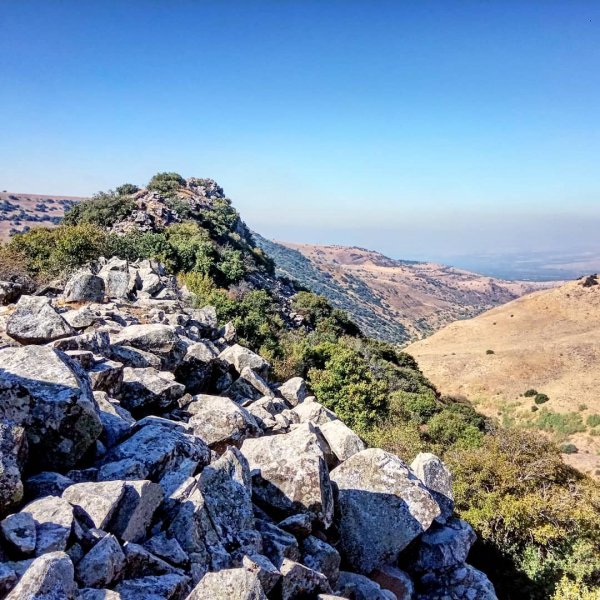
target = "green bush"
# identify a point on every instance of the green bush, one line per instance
(541, 398)
(562, 424)
(530, 393)
(593, 420)
(489, 352)
(104, 209)
(166, 183)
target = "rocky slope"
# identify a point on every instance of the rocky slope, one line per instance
(393, 299)
(146, 455)
(549, 342)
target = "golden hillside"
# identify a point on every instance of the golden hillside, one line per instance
(548, 341)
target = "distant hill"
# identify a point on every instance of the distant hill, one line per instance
(397, 300)
(549, 342)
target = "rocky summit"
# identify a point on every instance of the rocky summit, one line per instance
(146, 455)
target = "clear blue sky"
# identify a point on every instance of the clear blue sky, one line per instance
(416, 128)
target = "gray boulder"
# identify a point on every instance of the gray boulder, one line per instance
(229, 584)
(294, 390)
(313, 411)
(382, 507)
(133, 357)
(8, 579)
(118, 281)
(34, 321)
(50, 577)
(196, 369)
(238, 357)
(46, 483)
(13, 453)
(267, 573)
(19, 532)
(277, 543)
(84, 286)
(359, 587)
(395, 580)
(53, 518)
(298, 581)
(247, 387)
(436, 476)
(98, 500)
(461, 583)
(143, 389)
(341, 439)
(41, 389)
(102, 565)
(154, 587)
(106, 376)
(167, 548)
(321, 556)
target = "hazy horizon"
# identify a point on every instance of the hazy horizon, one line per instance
(445, 131)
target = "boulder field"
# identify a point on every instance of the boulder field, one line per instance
(144, 454)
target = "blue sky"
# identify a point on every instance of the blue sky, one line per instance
(422, 129)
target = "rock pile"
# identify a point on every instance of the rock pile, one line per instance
(146, 455)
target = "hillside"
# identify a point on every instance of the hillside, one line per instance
(548, 341)
(396, 300)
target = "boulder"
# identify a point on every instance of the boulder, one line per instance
(106, 376)
(10, 291)
(117, 421)
(97, 342)
(46, 483)
(267, 573)
(159, 587)
(299, 525)
(341, 439)
(50, 395)
(84, 286)
(298, 581)
(438, 479)
(118, 281)
(156, 338)
(133, 357)
(359, 587)
(395, 580)
(141, 563)
(34, 321)
(19, 532)
(144, 389)
(290, 473)
(98, 500)
(167, 548)
(13, 453)
(277, 543)
(102, 565)
(196, 369)
(229, 584)
(8, 579)
(463, 583)
(53, 518)
(247, 387)
(381, 508)
(321, 556)
(238, 357)
(49, 577)
(294, 390)
(218, 420)
(312, 411)
(82, 317)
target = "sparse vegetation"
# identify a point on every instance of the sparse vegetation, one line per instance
(593, 420)
(541, 398)
(489, 352)
(530, 392)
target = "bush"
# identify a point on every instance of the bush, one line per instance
(568, 449)
(166, 183)
(104, 209)
(561, 424)
(127, 189)
(489, 352)
(541, 398)
(593, 420)
(530, 393)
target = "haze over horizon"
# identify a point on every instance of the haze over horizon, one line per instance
(426, 131)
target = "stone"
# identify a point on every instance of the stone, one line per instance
(290, 474)
(299, 525)
(359, 587)
(277, 543)
(84, 358)
(156, 338)
(438, 479)
(464, 582)
(8, 579)
(92, 594)
(50, 395)
(82, 317)
(381, 508)
(313, 411)
(267, 573)
(141, 563)
(19, 531)
(294, 390)
(247, 387)
(395, 580)
(98, 500)
(102, 565)
(53, 519)
(46, 483)
(218, 420)
(84, 286)
(118, 282)
(13, 454)
(238, 357)
(10, 292)
(147, 388)
(93, 341)
(320, 556)
(106, 376)
(133, 357)
(341, 439)
(49, 577)
(444, 546)
(229, 584)
(298, 581)
(197, 367)
(116, 420)
(167, 548)
(159, 587)
(35, 321)
(136, 509)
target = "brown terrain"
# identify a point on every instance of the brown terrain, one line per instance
(548, 341)
(19, 212)
(421, 296)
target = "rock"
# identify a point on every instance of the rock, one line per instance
(94, 341)
(116, 420)
(141, 563)
(238, 357)
(444, 547)
(438, 479)
(299, 525)
(81, 318)
(34, 321)
(247, 387)
(84, 358)
(167, 548)
(102, 565)
(13, 453)
(98, 501)
(160, 340)
(229, 584)
(219, 420)
(118, 282)
(53, 519)
(395, 580)
(294, 390)
(277, 543)
(463, 582)
(313, 411)
(320, 556)
(19, 531)
(92, 594)
(381, 506)
(290, 473)
(267, 573)
(84, 286)
(133, 357)
(161, 587)
(41, 389)
(196, 369)
(8, 579)
(10, 292)
(152, 451)
(136, 509)
(50, 577)
(359, 587)
(341, 439)
(148, 388)
(106, 376)
(298, 581)
(46, 483)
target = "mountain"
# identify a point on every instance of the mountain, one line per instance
(548, 341)
(397, 300)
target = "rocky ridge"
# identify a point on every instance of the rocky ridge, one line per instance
(146, 454)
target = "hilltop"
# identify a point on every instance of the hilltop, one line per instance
(548, 341)
(397, 300)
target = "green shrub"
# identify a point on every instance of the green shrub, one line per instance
(568, 448)
(166, 183)
(127, 189)
(563, 424)
(104, 209)
(541, 398)
(530, 393)
(593, 420)
(489, 352)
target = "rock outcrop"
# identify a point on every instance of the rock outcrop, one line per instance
(145, 455)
